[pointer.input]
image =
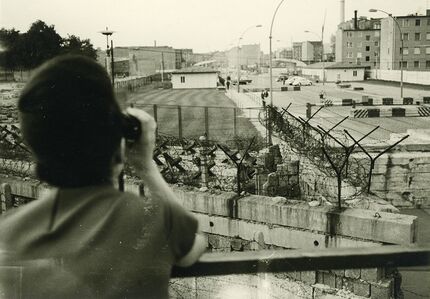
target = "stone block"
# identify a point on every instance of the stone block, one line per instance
(309, 277)
(373, 274)
(329, 279)
(352, 273)
(293, 180)
(339, 282)
(361, 288)
(381, 290)
(348, 284)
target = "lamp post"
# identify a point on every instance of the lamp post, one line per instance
(109, 53)
(322, 51)
(270, 71)
(238, 52)
(401, 52)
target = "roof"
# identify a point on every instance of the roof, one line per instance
(334, 65)
(195, 70)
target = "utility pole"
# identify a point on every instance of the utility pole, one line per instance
(162, 66)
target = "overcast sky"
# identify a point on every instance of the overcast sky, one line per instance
(203, 25)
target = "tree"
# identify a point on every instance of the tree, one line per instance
(74, 45)
(20, 51)
(41, 42)
(9, 54)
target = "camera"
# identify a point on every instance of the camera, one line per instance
(131, 128)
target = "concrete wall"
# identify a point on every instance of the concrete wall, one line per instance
(198, 80)
(332, 75)
(408, 76)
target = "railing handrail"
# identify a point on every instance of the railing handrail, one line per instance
(251, 262)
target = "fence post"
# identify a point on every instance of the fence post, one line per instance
(204, 161)
(6, 197)
(154, 107)
(206, 109)
(235, 122)
(180, 122)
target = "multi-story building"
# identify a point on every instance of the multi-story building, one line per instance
(285, 53)
(358, 41)
(183, 58)
(308, 51)
(249, 55)
(297, 50)
(415, 30)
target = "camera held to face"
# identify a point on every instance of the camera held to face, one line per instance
(131, 128)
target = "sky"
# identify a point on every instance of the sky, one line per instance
(202, 25)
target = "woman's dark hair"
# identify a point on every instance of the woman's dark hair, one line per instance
(71, 121)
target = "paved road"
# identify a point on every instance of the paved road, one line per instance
(329, 116)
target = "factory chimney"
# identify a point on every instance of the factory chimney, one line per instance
(355, 20)
(342, 11)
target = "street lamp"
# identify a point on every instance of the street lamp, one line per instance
(322, 52)
(238, 51)
(401, 40)
(109, 52)
(270, 68)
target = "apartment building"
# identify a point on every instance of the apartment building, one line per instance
(415, 31)
(358, 41)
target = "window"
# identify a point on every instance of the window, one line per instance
(367, 48)
(376, 54)
(417, 36)
(374, 63)
(417, 22)
(427, 50)
(377, 33)
(367, 37)
(405, 36)
(405, 22)
(376, 44)
(360, 34)
(428, 21)
(405, 51)
(428, 64)
(349, 55)
(349, 34)
(405, 64)
(428, 36)
(354, 73)
(349, 44)
(416, 64)
(359, 45)
(367, 58)
(358, 54)
(417, 50)
(182, 79)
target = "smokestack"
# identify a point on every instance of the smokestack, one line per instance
(355, 20)
(155, 44)
(342, 11)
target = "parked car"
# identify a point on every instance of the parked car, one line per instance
(282, 78)
(290, 80)
(301, 81)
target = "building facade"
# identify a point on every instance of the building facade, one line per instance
(415, 30)
(195, 77)
(250, 55)
(358, 41)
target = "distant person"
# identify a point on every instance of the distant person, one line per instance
(109, 244)
(283, 80)
(228, 82)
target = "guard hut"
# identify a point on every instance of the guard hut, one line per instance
(194, 77)
(335, 71)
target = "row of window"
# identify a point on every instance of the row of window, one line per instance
(418, 22)
(360, 44)
(417, 36)
(417, 64)
(417, 50)
(360, 34)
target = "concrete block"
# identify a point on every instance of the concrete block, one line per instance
(309, 277)
(361, 288)
(348, 284)
(373, 274)
(339, 282)
(381, 290)
(329, 279)
(352, 273)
